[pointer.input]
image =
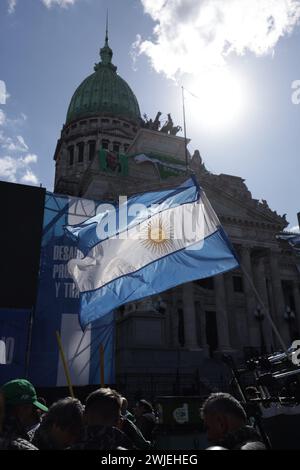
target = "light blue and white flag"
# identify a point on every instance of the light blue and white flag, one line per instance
(146, 245)
(292, 238)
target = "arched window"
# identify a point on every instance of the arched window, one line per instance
(116, 146)
(80, 147)
(105, 144)
(92, 149)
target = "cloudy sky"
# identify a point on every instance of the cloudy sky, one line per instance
(239, 61)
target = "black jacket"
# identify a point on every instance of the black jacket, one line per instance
(236, 440)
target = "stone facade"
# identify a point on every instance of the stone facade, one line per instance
(185, 330)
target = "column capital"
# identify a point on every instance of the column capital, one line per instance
(245, 251)
(246, 247)
(274, 252)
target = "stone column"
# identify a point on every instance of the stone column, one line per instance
(231, 307)
(98, 139)
(278, 299)
(296, 294)
(168, 314)
(221, 313)
(261, 286)
(62, 162)
(203, 330)
(253, 337)
(73, 168)
(201, 317)
(189, 315)
(174, 322)
(86, 161)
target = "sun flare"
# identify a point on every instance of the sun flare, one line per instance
(218, 101)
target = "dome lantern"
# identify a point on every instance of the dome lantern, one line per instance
(104, 92)
(106, 52)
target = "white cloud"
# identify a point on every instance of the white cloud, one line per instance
(295, 229)
(48, 3)
(3, 93)
(8, 168)
(17, 122)
(30, 158)
(18, 169)
(192, 35)
(11, 6)
(61, 3)
(22, 143)
(14, 168)
(2, 117)
(17, 145)
(29, 178)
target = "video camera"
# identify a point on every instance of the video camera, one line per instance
(273, 395)
(278, 374)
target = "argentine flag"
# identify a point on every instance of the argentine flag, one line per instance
(292, 239)
(146, 245)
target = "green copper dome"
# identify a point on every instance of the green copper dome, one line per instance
(104, 92)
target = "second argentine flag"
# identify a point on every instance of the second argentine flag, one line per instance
(145, 245)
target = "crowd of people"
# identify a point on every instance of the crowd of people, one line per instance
(104, 422)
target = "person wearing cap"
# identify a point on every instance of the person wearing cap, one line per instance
(21, 404)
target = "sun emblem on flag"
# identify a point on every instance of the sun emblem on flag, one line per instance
(157, 237)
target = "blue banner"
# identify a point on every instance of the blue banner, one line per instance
(58, 306)
(14, 325)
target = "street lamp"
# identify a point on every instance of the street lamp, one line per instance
(289, 317)
(259, 316)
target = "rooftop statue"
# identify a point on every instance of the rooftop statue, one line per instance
(150, 124)
(168, 127)
(156, 123)
(264, 204)
(175, 129)
(197, 162)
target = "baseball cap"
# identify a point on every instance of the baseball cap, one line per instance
(21, 391)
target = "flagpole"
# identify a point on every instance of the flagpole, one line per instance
(101, 352)
(29, 343)
(66, 369)
(265, 310)
(184, 127)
